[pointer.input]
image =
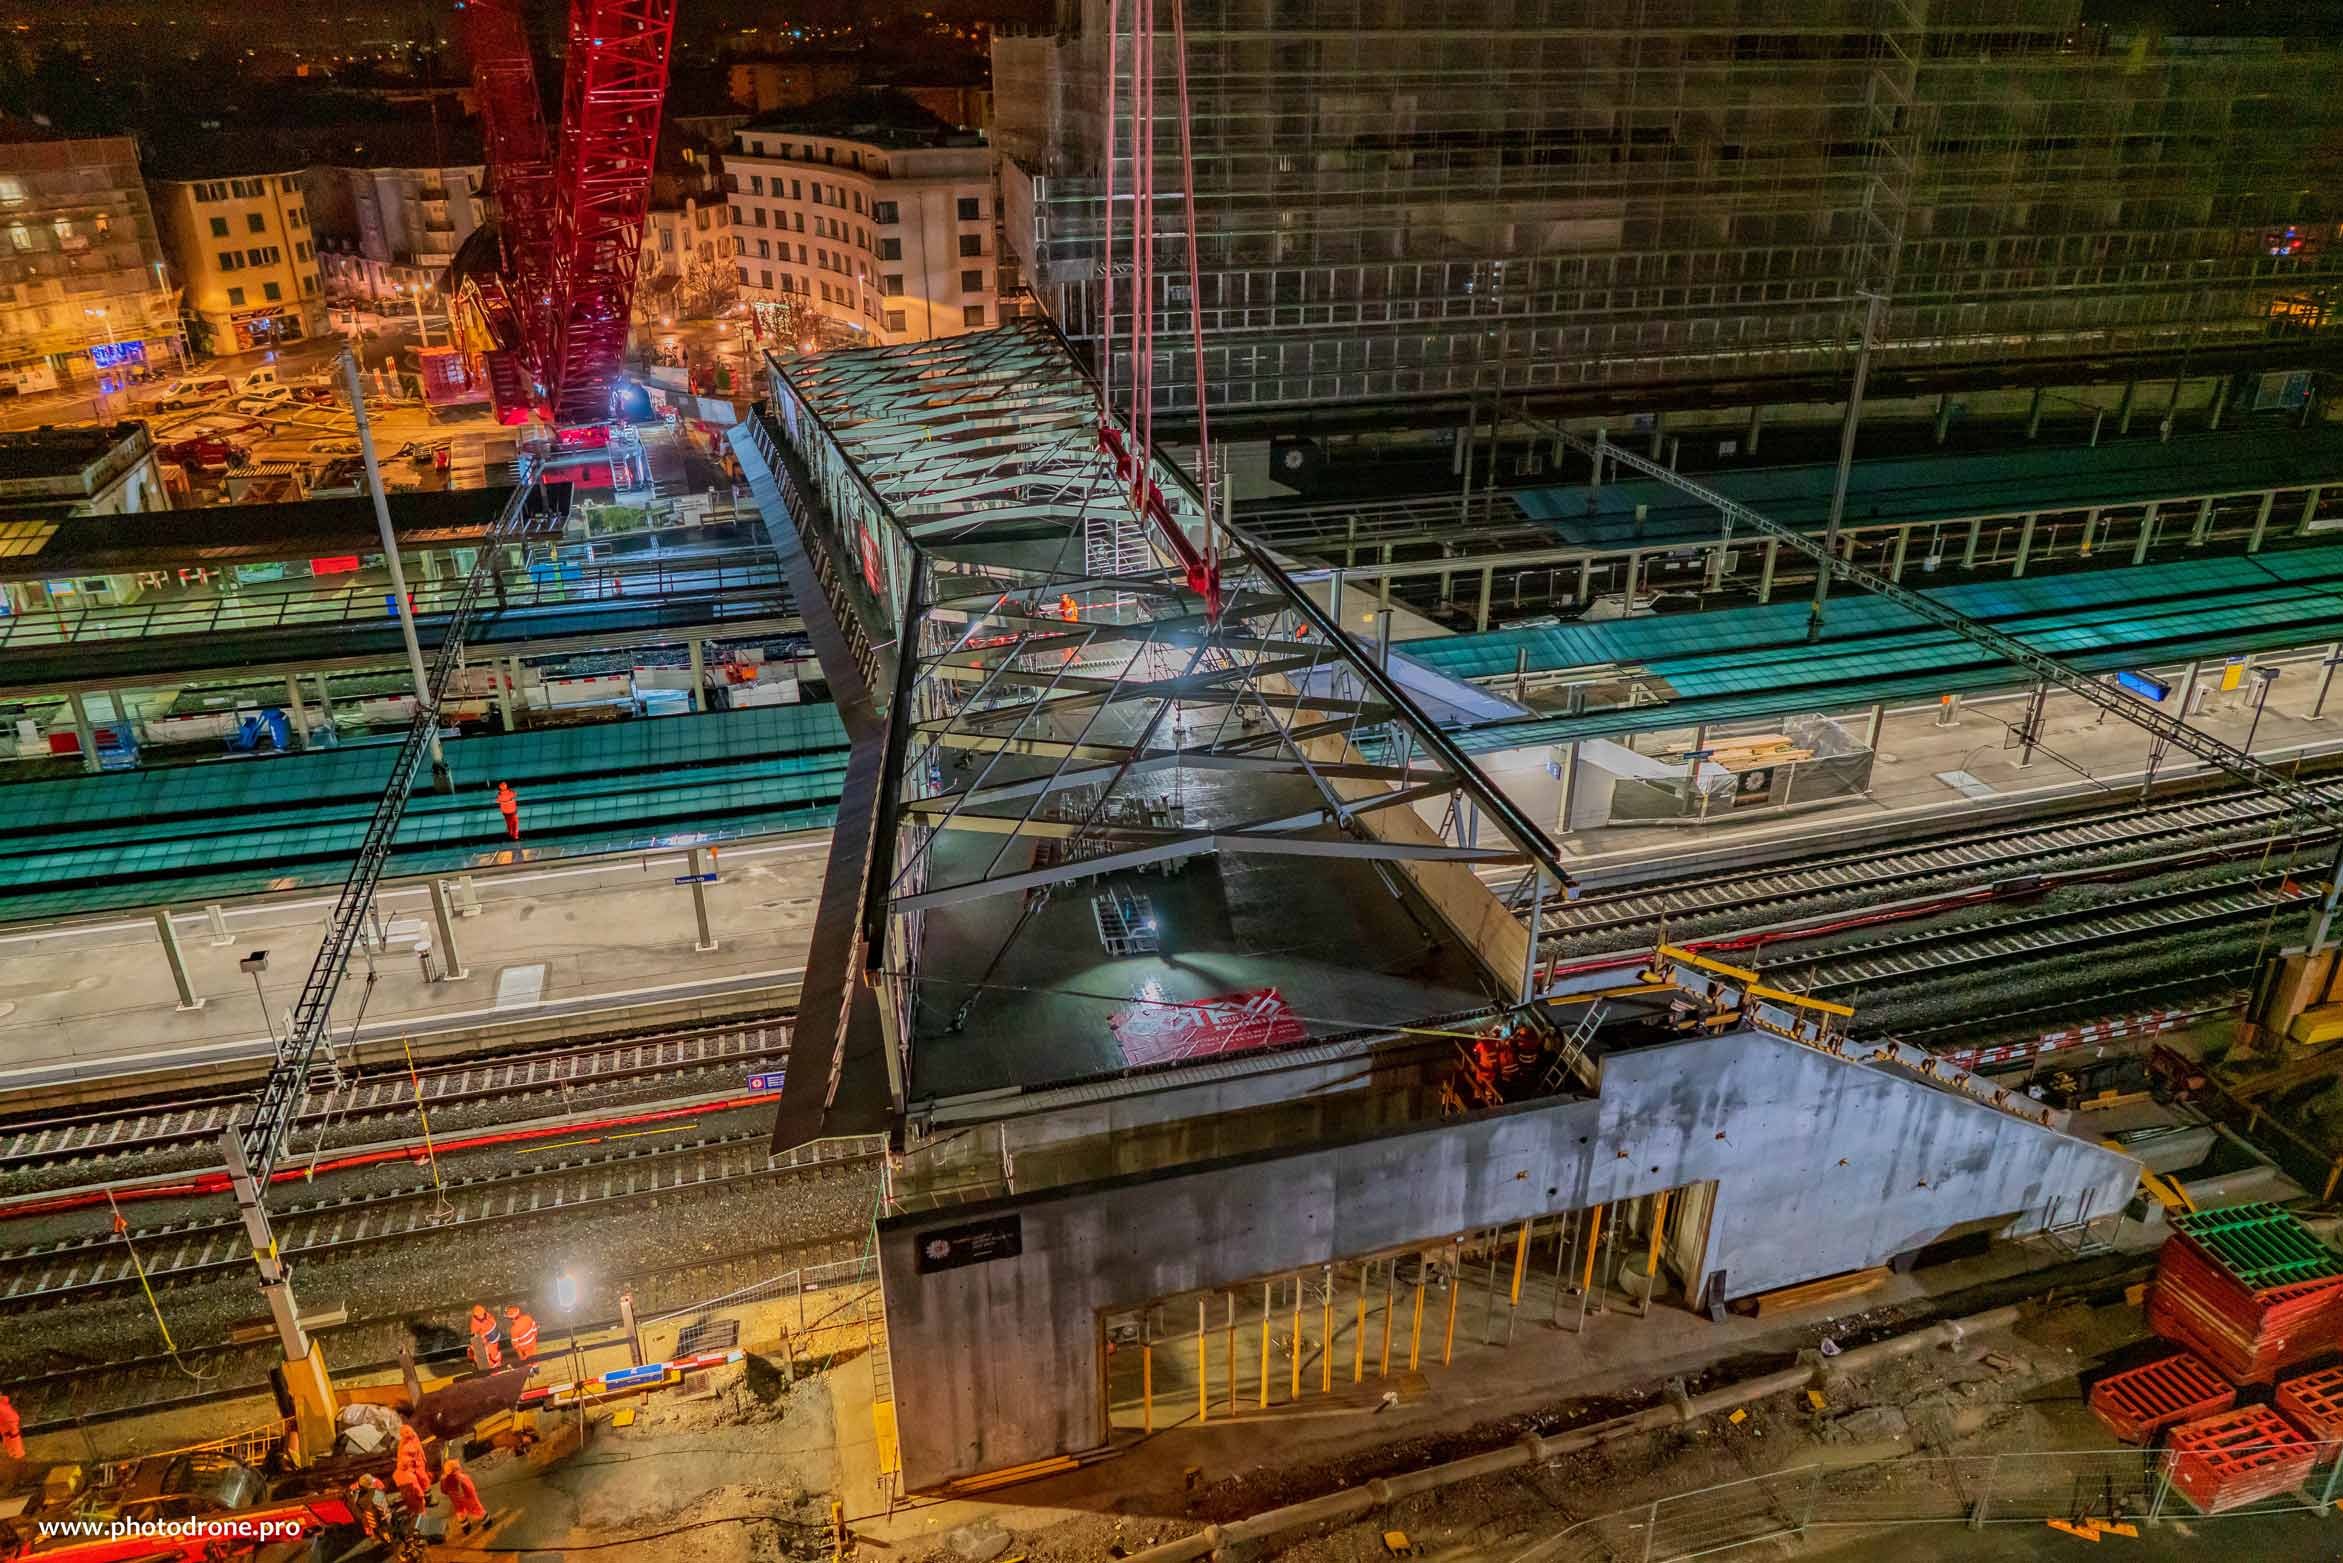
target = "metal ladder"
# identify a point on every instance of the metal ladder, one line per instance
(1573, 1049)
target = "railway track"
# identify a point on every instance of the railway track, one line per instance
(1933, 953)
(99, 1135)
(1626, 919)
(45, 1275)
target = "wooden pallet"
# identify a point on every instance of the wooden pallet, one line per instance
(1813, 1294)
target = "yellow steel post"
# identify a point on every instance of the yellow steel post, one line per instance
(1294, 1353)
(1358, 1341)
(1651, 1259)
(1455, 1286)
(1390, 1299)
(1146, 1386)
(1520, 1263)
(1415, 1332)
(1203, 1370)
(1264, 1345)
(1586, 1284)
(1326, 1337)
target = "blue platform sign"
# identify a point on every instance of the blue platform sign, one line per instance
(771, 1082)
(2143, 686)
(628, 1378)
(695, 879)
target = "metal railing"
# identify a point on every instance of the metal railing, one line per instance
(652, 579)
(2088, 1489)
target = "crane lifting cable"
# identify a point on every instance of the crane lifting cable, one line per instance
(1127, 433)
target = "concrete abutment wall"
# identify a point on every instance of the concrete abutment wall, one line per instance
(1820, 1166)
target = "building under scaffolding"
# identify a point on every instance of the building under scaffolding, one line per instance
(1401, 202)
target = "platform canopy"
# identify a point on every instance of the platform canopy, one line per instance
(1064, 713)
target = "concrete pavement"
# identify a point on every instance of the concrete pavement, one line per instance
(582, 944)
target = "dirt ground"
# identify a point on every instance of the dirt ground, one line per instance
(730, 1477)
(724, 1475)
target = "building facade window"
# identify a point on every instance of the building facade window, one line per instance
(971, 209)
(972, 282)
(892, 284)
(271, 292)
(219, 227)
(895, 320)
(767, 280)
(972, 244)
(973, 315)
(890, 249)
(882, 211)
(235, 298)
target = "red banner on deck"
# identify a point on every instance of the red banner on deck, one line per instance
(1156, 1033)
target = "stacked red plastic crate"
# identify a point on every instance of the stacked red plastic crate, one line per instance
(2249, 1290)
(2238, 1457)
(2314, 1403)
(2141, 1402)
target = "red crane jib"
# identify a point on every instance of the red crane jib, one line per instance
(573, 205)
(1201, 570)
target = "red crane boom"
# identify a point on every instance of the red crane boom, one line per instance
(572, 206)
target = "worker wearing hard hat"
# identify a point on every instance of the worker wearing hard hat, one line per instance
(510, 807)
(462, 1494)
(486, 1352)
(369, 1505)
(411, 1475)
(520, 1327)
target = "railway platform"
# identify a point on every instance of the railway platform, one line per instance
(91, 1009)
(665, 869)
(1935, 763)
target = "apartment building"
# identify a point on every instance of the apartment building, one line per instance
(1401, 203)
(246, 254)
(875, 219)
(687, 267)
(84, 291)
(385, 230)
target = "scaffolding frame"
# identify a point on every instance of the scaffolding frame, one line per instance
(1535, 195)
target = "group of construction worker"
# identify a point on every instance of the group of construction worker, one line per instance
(1499, 1057)
(411, 1477)
(370, 1501)
(488, 1341)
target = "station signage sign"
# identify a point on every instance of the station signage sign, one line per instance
(2142, 685)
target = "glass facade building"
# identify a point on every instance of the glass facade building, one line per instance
(1399, 201)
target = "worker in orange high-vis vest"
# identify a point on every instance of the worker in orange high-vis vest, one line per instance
(11, 1431)
(462, 1495)
(521, 1329)
(510, 807)
(411, 1475)
(486, 1353)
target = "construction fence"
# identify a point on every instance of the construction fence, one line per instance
(2090, 1493)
